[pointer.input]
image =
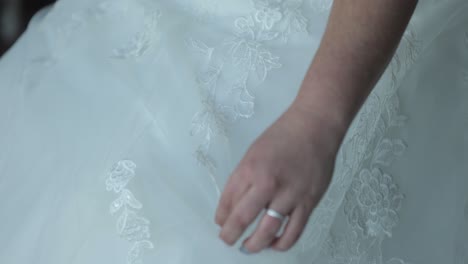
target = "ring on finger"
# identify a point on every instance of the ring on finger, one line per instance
(275, 214)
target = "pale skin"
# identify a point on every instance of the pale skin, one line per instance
(289, 167)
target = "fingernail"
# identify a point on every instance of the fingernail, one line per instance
(244, 251)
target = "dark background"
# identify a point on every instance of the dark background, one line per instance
(14, 17)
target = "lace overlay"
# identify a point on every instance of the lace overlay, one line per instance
(130, 225)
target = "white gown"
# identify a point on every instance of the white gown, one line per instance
(120, 121)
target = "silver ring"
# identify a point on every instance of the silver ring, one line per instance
(275, 214)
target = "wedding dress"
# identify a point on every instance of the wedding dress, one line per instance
(121, 120)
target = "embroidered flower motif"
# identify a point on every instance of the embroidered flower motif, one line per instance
(272, 19)
(284, 17)
(387, 151)
(250, 29)
(121, 173)
(373, 200)
(268, 17)
(200, 47)
(134, 255)
(126, 199)
(244, 106)
(378, 200)
(245, 25)
(130, 225)
(210, 121)
(252, 56)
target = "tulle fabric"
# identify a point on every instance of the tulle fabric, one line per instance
(114, 148)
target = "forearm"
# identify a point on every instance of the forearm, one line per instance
(359, 41)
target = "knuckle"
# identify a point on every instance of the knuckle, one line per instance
(295, 194)
(245, 171)
(267, 184)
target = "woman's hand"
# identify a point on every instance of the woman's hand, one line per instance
(287, 169)
(290, 165)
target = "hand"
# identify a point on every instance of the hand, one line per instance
(287, 169)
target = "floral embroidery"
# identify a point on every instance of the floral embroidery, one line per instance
(246, 56)
(279, 18)
(121, 174)
(268, 17)
(200, 47)
(130, 225)
(377, 203)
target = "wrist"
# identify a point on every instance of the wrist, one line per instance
(322, 109)
(320, 123)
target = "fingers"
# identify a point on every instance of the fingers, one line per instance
(293, 229)
(243, 214)
(244, 210)
(235, 190)
(268, 228)
(263, 235)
